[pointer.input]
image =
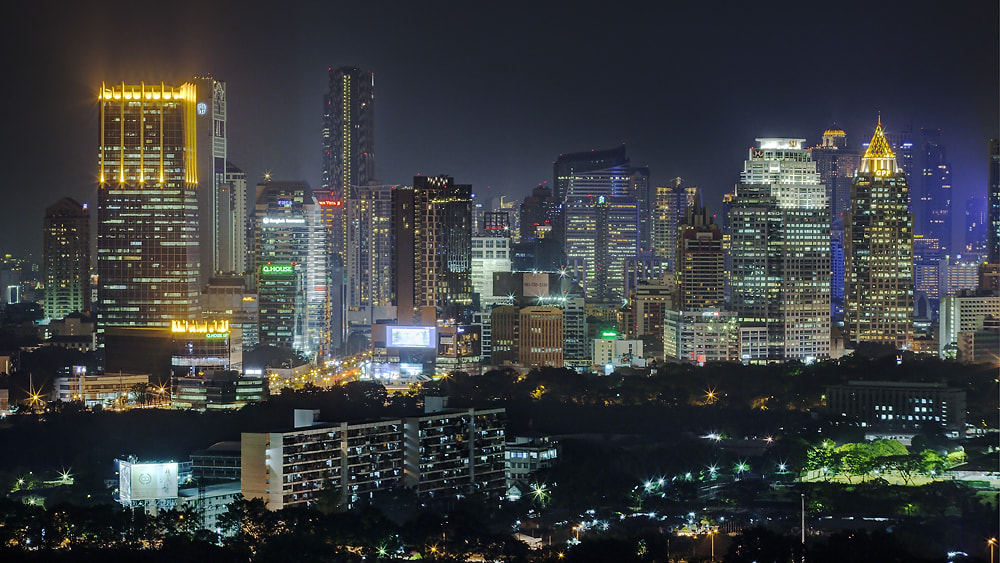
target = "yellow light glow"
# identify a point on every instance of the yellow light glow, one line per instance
(199, 327)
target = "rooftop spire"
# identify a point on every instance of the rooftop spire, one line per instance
(879, 156)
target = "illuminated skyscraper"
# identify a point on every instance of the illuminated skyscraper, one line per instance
(215, 201)
(669, 208)
(348, 141)
(432, 248)
(933, 212)
(993, 194)
(879, 251)
(67, 258)
(601, 235)
(233, 252)
(779, 222)
(368, 256)
(147, 241)
(290, 262)
(836, 165)
(700, 262)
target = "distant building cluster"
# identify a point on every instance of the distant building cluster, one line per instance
(817, 250)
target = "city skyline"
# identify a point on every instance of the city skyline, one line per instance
(493, 98)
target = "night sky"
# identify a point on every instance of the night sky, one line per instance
(492, 92)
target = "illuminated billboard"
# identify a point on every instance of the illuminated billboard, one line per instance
(411, 337)
(146, 481)
(277, 270)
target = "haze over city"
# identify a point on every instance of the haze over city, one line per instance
(491, 94)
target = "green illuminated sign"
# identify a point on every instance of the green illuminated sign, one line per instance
(277, 269)
(217, 335)
(609, 334)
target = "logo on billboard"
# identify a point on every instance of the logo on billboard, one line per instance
(277, 270)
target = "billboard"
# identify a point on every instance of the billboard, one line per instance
(411, 337)
(145, 481)
(535, 285)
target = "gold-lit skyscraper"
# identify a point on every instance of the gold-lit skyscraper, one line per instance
(147, 239)
(878, 249)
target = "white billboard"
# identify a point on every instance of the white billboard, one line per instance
(411, 337)
(145, 481)
(536, 285)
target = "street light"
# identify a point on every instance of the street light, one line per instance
(991, 542)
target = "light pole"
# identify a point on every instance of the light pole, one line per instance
(711, 534)
(991, 542)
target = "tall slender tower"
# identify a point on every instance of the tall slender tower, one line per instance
(779, 220)
(669, 209)
(147, 241)
(879, 250)
(442, 234)
(700, 262)
(348, 141)
(993, 204)
(214, 195)
(67, 258)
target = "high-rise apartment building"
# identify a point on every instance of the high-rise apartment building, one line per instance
(669, 208)
(67, 258)
(879, 250)
(348, 141)
(780, 250)
(290, 264)
(148, 254)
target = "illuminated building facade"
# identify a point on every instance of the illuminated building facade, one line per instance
(67, 258)
(148, 255)
(669, 208)
(603, 172)
(227, 297)
(215, 202)
(993, 203)
(437, 455)
(403, 249)
(836, 165)
(540, 337)
(348, 142)
(233, 228)
(602, 233)
(700, 262)
(879, 251)
(442, 235)
(696, 337)
(933, 210)
(490, 254)
(368, 257)
(779, 223)
(291, 264)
